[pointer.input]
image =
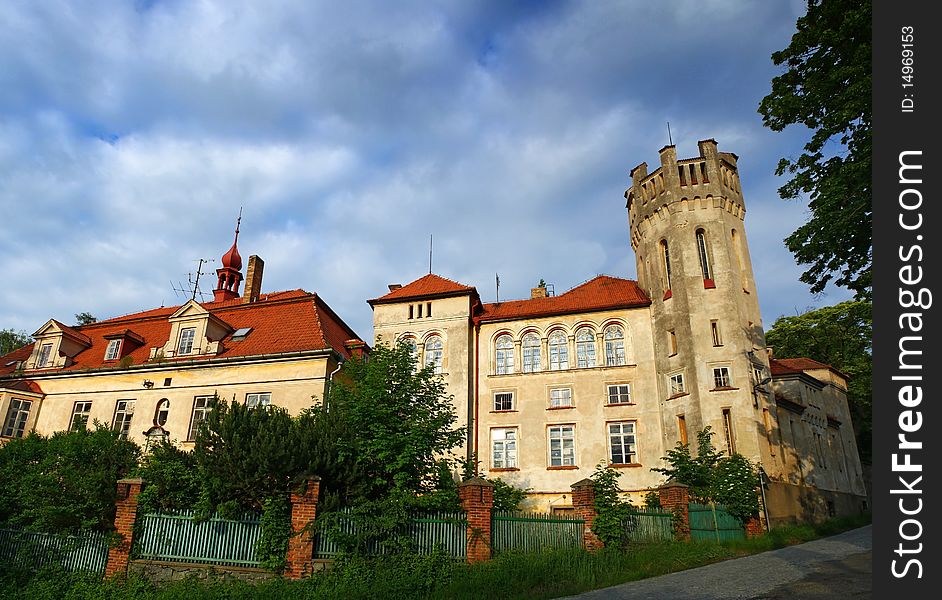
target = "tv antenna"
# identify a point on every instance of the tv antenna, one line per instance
(192, 288)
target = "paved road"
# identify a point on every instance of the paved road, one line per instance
(834, 567)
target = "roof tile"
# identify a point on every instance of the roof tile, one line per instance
(601, 293)
(428, 286)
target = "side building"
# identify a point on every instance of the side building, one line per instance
(154, 374)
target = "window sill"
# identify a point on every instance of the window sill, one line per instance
(709, 284)
(679, 395)
(563, 468)
(620, 404)
(502, 469)
(559, 407)
(668, 295)
(512, 410)
(567, 369)
(723, 389)
(624, 465)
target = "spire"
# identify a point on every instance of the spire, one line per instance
(230, 275)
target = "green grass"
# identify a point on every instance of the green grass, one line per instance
(547, 574)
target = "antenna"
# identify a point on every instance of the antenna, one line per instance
(192, 288)
(199, 270)
(497, 277)
(669, 139)
(430, 254)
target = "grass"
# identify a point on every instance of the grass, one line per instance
(546, 574)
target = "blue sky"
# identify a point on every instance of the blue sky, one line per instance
(131, 133)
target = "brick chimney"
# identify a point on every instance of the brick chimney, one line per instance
(253, 279)
(538, 292)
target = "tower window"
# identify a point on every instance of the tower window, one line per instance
(666, 257)
(682, 428)
(704, 258)
(434, 351)
(677, 384)
(672, 342)
(728, 431)
(721, 378)
(715, 330)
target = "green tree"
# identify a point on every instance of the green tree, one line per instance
(172, 478)
(507, 497)
(827, 87)
(611, 511)
(85, 318)
(696, 472)
(840, 336)
(10, 340)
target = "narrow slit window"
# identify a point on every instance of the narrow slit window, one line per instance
(728, 431)
(704, 257)
(682, 428)
(715, 331)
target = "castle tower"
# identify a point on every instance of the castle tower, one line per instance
(686, 221)
(230, 275)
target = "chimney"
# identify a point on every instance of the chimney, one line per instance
(538, 292)
(253, 279)
(394, 286)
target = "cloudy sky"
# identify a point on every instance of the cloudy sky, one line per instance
(131, 133)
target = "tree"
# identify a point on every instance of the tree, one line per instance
(696, 472)
(85, 318)
(827, 88)
(840, 336)
(611, 512)
(10, 340)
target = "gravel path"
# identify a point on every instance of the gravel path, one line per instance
(837, 566)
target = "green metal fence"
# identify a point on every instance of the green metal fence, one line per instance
(430, 533)
(175, 536)
(535, 531)
(712, 522)
(84, 551)
(650, 525)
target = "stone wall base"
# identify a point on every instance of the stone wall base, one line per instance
(789, 503)
(159, 571)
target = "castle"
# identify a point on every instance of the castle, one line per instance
(613, 371)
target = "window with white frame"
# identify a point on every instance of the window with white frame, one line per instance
(619, 394)
(434, 352)
(505, 355)
(558, 351)
(560, 397)
(562, 445)
(44, 351)
(677, 385)
(531, 353)
(202, 405)
(621, 443)
(504, 448)
(113, 350)
(504, 401)
(80, 412)
(614, 346)
(258, 399)
(123, 413)
(702, 252)
(585, 348)
(17, 415)
(410, 343)
(721, 378)
(187, 337)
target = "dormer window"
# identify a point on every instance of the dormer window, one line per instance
(187, 335)
(113, 350)
(44, 353)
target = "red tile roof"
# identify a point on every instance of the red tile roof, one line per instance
(600, 293)
(22, 385)
(281, 322)
(73, 333)
(430, 286)
(791, 366)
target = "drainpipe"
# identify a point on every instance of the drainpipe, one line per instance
(476, 321)
(765, 508)
(330, 378)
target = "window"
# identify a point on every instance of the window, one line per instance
(187, 335)
(433, 350)
(505, 355)
(409, 341)
(504, 448)
(728, 432)
(614, 346)
(114, 348)
(585, 348)
(621, 443)
(44, 351)
(428, 311)
(80, 412)
(672, 342)
(721, 377)
(558, 351)
(562, 445)
(677, 384)
(163, 410)
(123, 412)
(17, 415)
(419, 314)
(259, 399)
(560, 397)
(704, 259)
(241, 333)
(201, 407)
(531, 353)
(666, 257)
(411, 311)
(715, 330)
(682, 428)
(619, 394)
(504, 401)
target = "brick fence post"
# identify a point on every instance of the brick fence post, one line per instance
(583, 504)
(675, 498)
(754, 527)
(477, 500)
(125, 514)
(301, 543)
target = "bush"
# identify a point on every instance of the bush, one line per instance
(611, 511)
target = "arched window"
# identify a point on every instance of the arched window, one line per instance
(558, 351)
(531, 353)
(614, 346)
(505, 355)
(666, 257)
(409, 342)
(163, 410)
(585, 348)
(704, 258)
(434, 353)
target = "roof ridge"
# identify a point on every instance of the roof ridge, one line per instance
(587, 281)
